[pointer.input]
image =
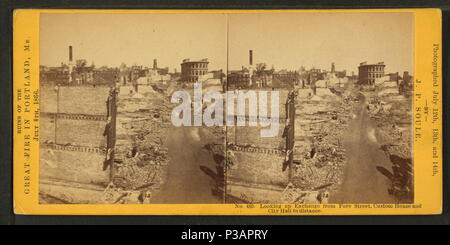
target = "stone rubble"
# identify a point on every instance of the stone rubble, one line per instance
(141, 155)
(319, 158)
(393, 116)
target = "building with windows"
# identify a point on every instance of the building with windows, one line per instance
(314, 75)
(368, 73)
(191, 70)
(285, 79)
(239, 79)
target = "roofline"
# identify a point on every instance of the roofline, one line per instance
(372, 65)
(194, 61)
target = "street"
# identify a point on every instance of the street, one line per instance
(362, 182)
(185, 182)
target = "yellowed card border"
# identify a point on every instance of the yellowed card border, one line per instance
(428, 188)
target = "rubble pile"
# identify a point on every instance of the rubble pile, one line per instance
(321, 169)
(393, 117)
(215, 135)
(319, 156)
(116, 195)
(291, 194)
(141, 155)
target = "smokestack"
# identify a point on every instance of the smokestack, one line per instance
(251, 57)
(70, 53)
(155, 64)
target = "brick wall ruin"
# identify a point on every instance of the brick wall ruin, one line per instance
(75, 138)
(257, 172)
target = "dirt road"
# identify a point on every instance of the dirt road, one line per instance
(363, 183)
(185, 182)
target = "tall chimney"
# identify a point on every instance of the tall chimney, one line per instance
(155, 64)
(70, 53)
(251, 57)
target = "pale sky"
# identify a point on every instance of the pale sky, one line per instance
(282, 40)
(290, 40)
(110, 39)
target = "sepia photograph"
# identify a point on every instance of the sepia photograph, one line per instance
(226, 108)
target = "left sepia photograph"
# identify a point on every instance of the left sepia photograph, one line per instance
(106, 82)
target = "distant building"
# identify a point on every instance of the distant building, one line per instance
(106, 75)
(239, 79)
(259, 76)
(368, 73)
(314, 75)
(285, 79)
(341, 74)
(82, 74)
(54, 75)
(218, 74)
(246, 77)
(191, 70)
(394, 77)
(77, 73)
(407, 84)
(137, 72)
(160, 71)
(130, 75)
(262, 79)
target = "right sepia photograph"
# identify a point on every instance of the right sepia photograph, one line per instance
(345, 84)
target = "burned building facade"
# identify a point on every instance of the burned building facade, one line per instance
(191, 70)
(77, 73)
(407, 84)
(130, 75)
(260, 77)
(285, 79)
(368, 73)
(314, 75)
(239, 79)
(105, 75)
(136, 72)
(54, 75)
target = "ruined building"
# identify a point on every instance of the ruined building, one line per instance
(368, 73)
(191, 70)
(238, 79)
(76, 146)
(285, 79)
(261, 77)
(77, 73)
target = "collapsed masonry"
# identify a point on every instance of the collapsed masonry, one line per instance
(255, 174)
(143, 122)
(319, 156)
(76, 143)
(312, 150)
(393, 113)
(283, 169)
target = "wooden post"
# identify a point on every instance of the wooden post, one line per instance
(111, 134)
(57, 112)
(290, 138)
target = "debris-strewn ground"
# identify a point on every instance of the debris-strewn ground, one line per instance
(394, 120)
(141, 156)
(319, 159)
(393, 116)
(292, 194)
(143, 126)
